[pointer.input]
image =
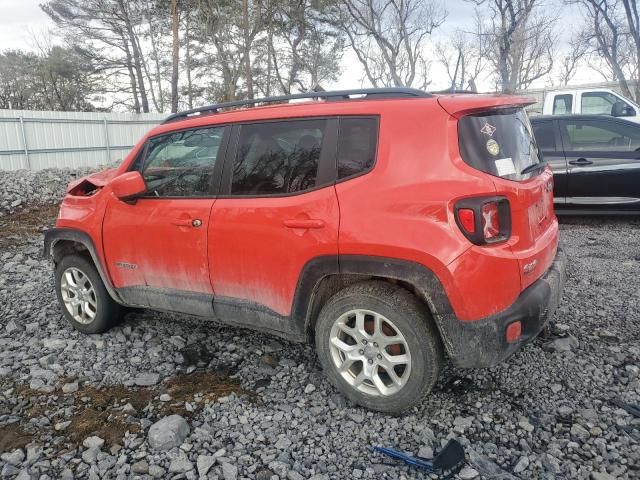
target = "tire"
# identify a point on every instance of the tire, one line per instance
(95, 311)
(384, 310)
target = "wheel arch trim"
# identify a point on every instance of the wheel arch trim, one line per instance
(57, 234)
(428, 287)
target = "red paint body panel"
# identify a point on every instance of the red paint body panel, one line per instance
(255, 256)
(157, 236)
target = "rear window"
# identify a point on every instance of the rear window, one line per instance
(500, 143)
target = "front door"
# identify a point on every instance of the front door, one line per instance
(603, 160)
(156, 248)
(277, 211)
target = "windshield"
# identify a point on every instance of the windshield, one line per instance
(500, 143)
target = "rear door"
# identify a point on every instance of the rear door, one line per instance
(277, 210)
(603, 159)
(549, 142)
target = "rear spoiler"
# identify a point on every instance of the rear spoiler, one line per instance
(461, 105)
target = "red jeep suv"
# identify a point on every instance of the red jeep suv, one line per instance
(388, 226)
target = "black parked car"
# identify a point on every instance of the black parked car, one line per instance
(595, 161)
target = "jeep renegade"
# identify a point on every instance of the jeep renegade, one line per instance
(388, 226)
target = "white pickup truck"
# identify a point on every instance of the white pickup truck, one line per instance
(598, 101)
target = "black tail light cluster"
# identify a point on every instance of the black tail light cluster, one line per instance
(484, 220)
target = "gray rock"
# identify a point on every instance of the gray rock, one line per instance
(601, 476)
(180, 464)
(156, 471)
(93, 442)
(229, 471)
(147, 379)
(522, 465)
(204, 464)
(90, 455)
(70, 387)
(167, 433)
(468, 473)
(563, 344)
(293, 475)
(24, 475)
(141, 467)
(425, 452)
(310, 388)
(580, 432)
(16, 457)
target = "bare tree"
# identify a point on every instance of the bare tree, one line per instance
(106, 32)
(389, 37)
(463, 58)
(570, 62)
(231, 27)
(175, 53)
(612, 33)
(520, 40)
(304, 50)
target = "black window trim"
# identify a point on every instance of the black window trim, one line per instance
(214, 187)
(375, 152)
(327, 172)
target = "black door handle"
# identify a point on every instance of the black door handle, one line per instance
(581, 161)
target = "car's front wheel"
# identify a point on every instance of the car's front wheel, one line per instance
(378, 346)
(83, 297)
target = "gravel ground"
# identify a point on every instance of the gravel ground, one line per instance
(169, 396)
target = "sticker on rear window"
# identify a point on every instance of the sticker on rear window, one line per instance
(505, 166)
(492, 147)
(488, 129)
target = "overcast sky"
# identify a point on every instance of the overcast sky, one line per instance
(21, 20)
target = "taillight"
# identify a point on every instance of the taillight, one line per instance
(484, 220)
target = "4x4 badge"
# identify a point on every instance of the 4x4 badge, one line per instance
(488, 129)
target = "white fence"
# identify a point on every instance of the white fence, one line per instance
(37, 140)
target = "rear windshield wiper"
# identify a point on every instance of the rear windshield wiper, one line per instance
(533, 167)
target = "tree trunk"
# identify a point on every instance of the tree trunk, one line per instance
(187, 39)
(247, 49)
(136, 56)
(132, 76)
(175, 56)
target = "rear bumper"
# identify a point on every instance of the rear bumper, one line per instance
(482, 343)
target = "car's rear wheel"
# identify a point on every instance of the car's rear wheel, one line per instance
(83, 297)
(378, 346)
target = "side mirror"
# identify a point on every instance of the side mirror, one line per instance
(128, 186)
(621, 109)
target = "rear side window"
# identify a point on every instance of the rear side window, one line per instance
(276, 158)
(357, 141)
(499, 142)
(562, 104)
(545, 136)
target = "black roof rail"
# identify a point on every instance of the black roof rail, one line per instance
(397, 92)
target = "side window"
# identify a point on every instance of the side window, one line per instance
(357, 141)
(599, 102)
(605, 136)
(181, 164)
(545, 136)
(276, 158)
(562, 104)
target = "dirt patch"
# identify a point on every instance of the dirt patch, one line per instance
(103, 411)
(111, 428)
(16, 227)
(13, 436)
(211, 385)
(114, 396)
